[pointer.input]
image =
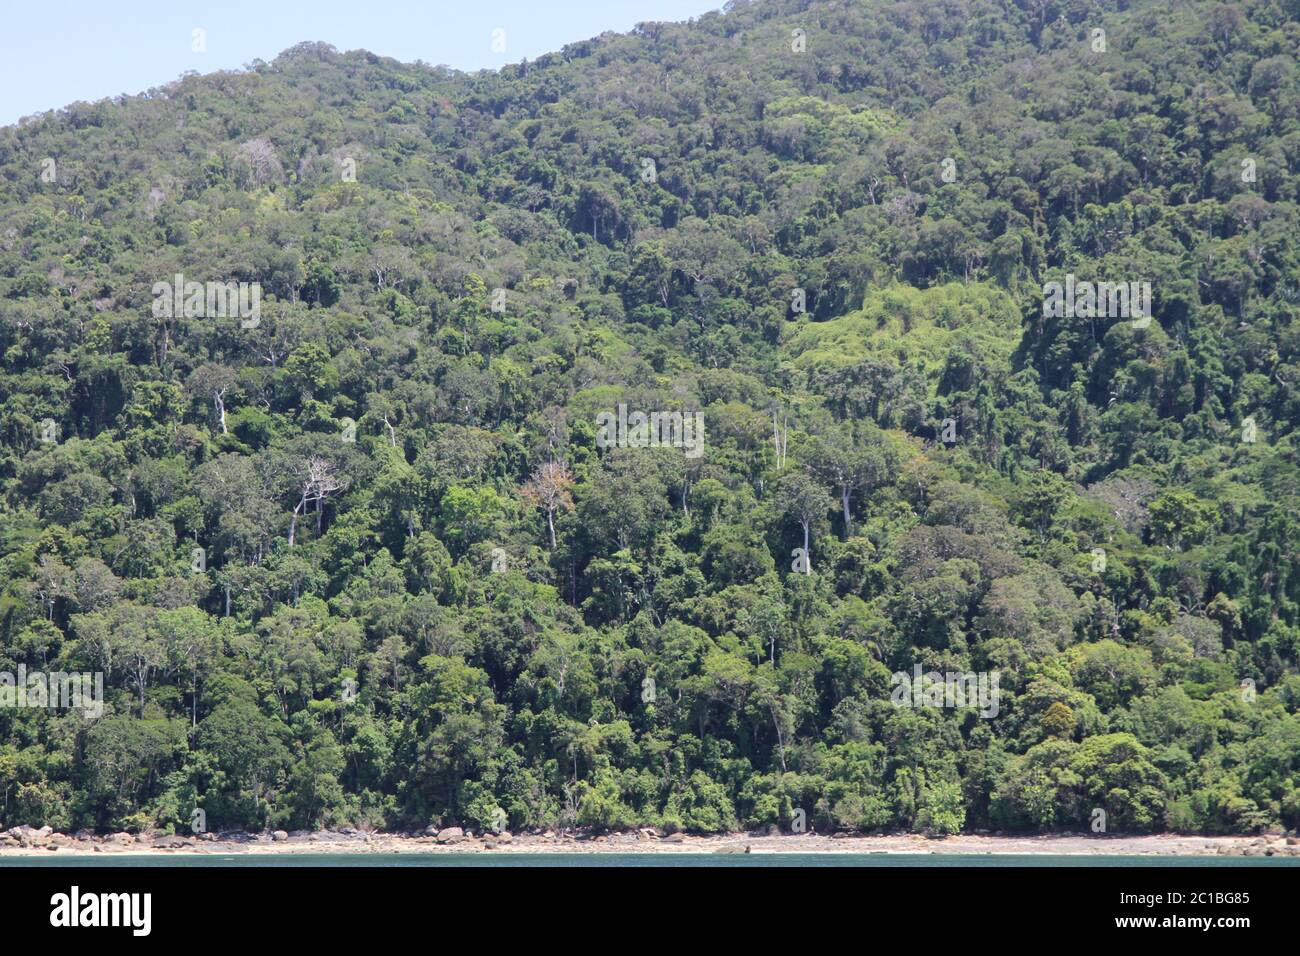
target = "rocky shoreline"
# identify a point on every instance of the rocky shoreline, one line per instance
(25, 841)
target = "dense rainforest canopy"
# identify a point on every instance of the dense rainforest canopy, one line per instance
(364, 560)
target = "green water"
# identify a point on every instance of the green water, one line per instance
(599, 860)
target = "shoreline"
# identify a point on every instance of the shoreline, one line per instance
(26, 842)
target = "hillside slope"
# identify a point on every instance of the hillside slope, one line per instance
(354, 549)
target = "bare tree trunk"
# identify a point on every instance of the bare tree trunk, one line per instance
(293, 522)
(780, 742)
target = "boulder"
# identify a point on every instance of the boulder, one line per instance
(451, 835)
(36, 837)
(279, 836)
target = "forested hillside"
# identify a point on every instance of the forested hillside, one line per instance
(366, 555)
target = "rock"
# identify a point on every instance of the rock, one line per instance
(431, 830)
(1292, 841)
(675, 838)
(489, 844)
(24, 834)
(504, 837)
(279, 836)
(451, 835)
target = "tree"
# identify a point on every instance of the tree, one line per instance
(804, 500)
(550, 490)
(850, 466)
(212, 382)
(248, 749)
(125, 640)
(317, 480)
(1178, 518)
(452, 728)
(193, 645)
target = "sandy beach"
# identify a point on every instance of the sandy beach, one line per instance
(26, 842)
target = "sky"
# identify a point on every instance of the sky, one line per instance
(55, 54)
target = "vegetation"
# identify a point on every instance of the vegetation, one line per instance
(361, 560)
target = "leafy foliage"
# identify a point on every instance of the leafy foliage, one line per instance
(474, 609)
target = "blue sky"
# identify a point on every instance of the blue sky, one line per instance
(59, 53)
